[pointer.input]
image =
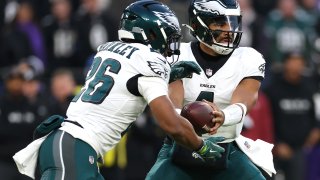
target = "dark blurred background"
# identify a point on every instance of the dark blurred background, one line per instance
(46, 47)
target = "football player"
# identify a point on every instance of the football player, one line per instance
(125, 76)
(230, 77)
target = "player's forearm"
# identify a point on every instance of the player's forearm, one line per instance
(246, 93)
(181, 131)
(185, 135)
(173, 124)
(176, 93)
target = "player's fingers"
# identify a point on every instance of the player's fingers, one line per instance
(176, 72)
(217, 120)
(213, 131)
(213, 105)
(215, 125)
(187, 64)
(193, 67)
(218, 154)
(217, 148)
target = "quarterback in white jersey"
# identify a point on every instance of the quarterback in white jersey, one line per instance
(218, 80)
(230, 79)
(125, 76)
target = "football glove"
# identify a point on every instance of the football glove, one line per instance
(183, 69)
(210, 150)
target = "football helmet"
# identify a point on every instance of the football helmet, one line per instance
(203, 13)
(151, 23)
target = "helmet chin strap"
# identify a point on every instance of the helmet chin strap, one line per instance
(189, 27)
(220, 50)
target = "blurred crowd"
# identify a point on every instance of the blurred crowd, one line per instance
(46, 48)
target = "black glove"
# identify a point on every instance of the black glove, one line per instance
(183, 69)
(210, 150)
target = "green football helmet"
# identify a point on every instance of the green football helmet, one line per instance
(202, 13)
(151, 23)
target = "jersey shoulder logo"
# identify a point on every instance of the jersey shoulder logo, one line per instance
(158, 69)
(262, 68)
(162, 60)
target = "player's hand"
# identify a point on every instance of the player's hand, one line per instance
(210, 150)
(183, 69)
(218, 119)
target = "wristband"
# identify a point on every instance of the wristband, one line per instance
(234, 114)
(202, 148)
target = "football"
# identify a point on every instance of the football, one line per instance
(199, 115)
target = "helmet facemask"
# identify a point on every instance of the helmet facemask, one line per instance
(173, 48)
(167, 45)
(226, 36)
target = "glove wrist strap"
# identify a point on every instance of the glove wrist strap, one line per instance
(203, 148)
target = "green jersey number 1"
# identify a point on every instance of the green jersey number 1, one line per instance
(207, 95)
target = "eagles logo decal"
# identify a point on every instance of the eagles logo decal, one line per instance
(168, 18)
(209, 6)
(206, 6)
(158, 69)
(262, 68)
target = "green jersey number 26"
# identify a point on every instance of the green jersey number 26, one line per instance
(100, 86)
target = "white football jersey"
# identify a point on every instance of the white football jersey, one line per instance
(123, 79)
(244, 62)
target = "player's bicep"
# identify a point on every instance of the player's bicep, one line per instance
(246, 92)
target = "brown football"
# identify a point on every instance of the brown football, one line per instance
(199, 115)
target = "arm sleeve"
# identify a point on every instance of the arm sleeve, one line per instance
(152, 87)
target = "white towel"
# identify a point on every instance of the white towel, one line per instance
(259, 152)
(26, 159)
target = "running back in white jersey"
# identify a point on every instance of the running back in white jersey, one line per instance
(243, 63)
(110, 99)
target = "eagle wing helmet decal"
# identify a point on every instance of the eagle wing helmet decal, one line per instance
(168, 18)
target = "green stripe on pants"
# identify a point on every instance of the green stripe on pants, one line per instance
(63, 157)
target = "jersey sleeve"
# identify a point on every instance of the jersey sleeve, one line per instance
(152, 64)
(152, 87)
(154, 70)
(254, 64)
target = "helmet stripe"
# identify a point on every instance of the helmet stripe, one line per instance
(199, 19)
(162, 31)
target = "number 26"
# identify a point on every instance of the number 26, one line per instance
(100, 86)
